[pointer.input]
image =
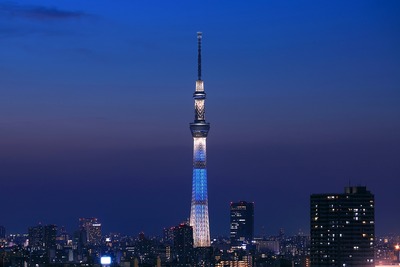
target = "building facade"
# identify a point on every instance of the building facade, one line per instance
(91, 228)
(183, 245)
(241, 224)
(199, 128)
(42, 243)
(343, 228)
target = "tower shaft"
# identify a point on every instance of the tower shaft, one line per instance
(199, 207)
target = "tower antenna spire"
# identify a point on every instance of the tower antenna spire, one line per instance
(199, 36)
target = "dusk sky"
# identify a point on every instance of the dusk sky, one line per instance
(96, 99)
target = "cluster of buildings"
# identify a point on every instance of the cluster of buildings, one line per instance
(342, 233)
(49, 245)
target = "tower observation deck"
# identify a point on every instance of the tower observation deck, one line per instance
(199, 128)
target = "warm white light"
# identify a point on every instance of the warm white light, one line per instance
(199, 145)
(199, 86)
(199, 107)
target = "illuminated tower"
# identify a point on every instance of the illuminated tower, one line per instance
(199, 129)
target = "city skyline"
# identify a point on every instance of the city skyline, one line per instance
(95, 101)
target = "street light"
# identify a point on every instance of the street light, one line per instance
(397, 249)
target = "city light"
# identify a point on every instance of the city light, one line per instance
(105, 260)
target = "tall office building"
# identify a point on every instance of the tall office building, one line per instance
(42, 236)
(242, 224)
(36, 236)
(343, 229)
(50, 236)
(42, 244)
(92, 229)
(183, 244)
(199, 128)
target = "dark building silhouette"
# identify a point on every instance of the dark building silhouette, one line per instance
(343, 229)
(204, 257)
(183, 244)
(242, 224)
(145, 250)
(42, 242)
(80, 239)
(168, 235)
(2, 232)
(50, 236)
(36, 236)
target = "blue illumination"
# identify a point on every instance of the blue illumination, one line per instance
(200, 154)
(200, 184)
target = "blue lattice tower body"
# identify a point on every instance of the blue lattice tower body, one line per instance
(199, 128)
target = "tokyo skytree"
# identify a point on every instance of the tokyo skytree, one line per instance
(199, 128)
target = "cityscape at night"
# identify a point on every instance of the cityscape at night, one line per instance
(199, 134)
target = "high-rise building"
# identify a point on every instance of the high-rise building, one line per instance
(242, 224)
(42, 243)
(62, 236)
(199, 128)
(2, 232)
(50, 236)
(36, 236)
(92, 229)
(168, 235)
(343, 229)
(183, 244)
(42, 236)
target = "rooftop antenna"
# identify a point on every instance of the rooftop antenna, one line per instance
(199, 36)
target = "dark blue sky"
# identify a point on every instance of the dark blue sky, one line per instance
(96, 97)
